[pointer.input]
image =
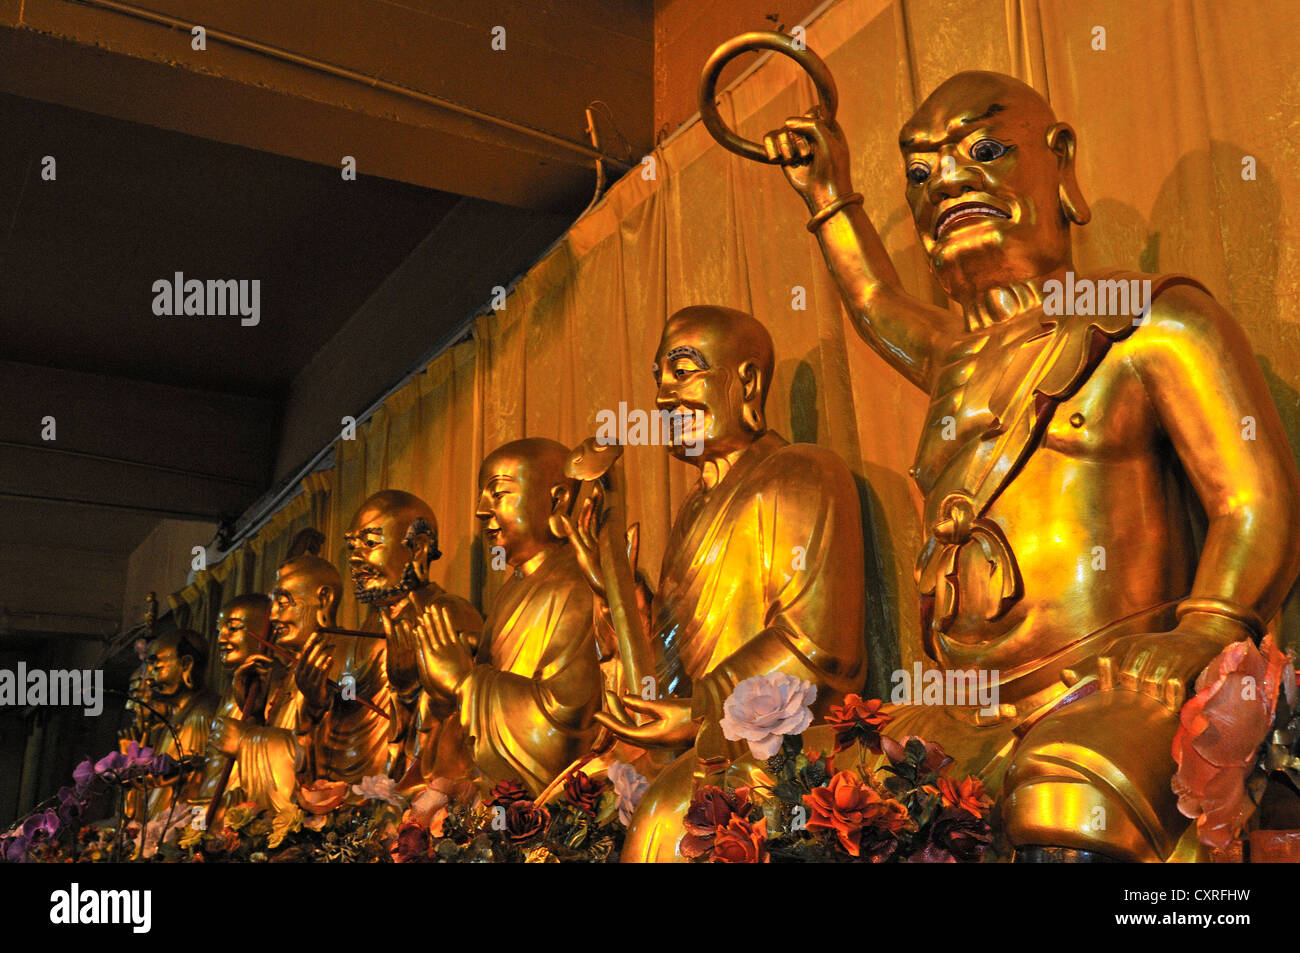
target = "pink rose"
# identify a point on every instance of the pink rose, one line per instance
(379, 787)
(630, 786)
(1219, 734)
(764, 709)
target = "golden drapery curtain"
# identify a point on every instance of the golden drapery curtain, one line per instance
(1181, 95)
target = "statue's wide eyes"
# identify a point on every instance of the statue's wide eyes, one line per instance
(918, 172)
(986, 150)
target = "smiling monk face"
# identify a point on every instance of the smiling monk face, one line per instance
(990, 180)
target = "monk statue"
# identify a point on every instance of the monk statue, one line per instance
(1075, 423)
(392, 540)
(525, 699)
(762, 572)
(243, 626)
(176, 661)
(271, 757)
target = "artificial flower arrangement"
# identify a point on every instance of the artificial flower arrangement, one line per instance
(908, 809)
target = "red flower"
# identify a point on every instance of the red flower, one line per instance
(525, 820)
(1219, 734)
(711, 808)
(967, 795)
(741, 842)
(583, 792)
(412, 845)
(507, 792)
(857, 720)
(846, 807)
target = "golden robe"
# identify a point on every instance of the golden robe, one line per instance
(192, 723)
(269, 756)
(526, 709)
(762, 574)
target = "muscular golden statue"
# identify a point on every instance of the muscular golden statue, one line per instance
(1068, 431)
(762, 572)
(241, 623)
(269, 753)
(175, 677)
(527, 696)
(391, 542)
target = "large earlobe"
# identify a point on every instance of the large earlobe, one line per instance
(325, 604)
(1062, 141)
(561, 502)
(752, 383)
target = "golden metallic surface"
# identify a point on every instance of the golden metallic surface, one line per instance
(391, 541)
(1060, 460)
(175, 676)
(525, 698)
(747, 42)
(243, 624)
(305, 598)
(762, 572)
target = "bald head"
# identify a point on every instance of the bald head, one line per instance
(307, 588)
(732, 335)
(175, 662)
(991, 184)
(518, 484)
(967, 98)
(713, 368)
(392, 531)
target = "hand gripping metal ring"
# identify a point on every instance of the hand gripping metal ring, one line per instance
(780, 43)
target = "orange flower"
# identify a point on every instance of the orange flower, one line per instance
(966, 795)
(846, 806)
(741, 842)
(322, 796)
(857, 720)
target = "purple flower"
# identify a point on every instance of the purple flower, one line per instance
(163, 765)
(13, 848)
(83, 774)
(71, 804)
(112, 763)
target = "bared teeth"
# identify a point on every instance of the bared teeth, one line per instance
(957, 213)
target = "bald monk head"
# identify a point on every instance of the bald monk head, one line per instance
(237, 619)
(518, 485)
(713, 368)
(991, 183)
(391, 541)
(307, 588)
(175, 663)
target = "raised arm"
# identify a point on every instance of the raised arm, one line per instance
(902, 329)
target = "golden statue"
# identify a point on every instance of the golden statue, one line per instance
(175, 680)
(1072, 420)
(268, 751)
(527, 696)
(392, 540)
(243, 625)
(762, 572)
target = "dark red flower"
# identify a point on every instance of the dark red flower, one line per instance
(936, 759)
(583, 792)
(741, 842)
(956, 836)
(525, 820)
(711, 807)
(857, 721)
(412, 844)
(507, 792)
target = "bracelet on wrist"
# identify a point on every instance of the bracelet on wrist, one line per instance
(826, 211)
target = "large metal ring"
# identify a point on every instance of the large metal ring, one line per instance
(762, 40)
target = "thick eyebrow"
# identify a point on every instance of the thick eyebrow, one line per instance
(685, 350)
(955, 134)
